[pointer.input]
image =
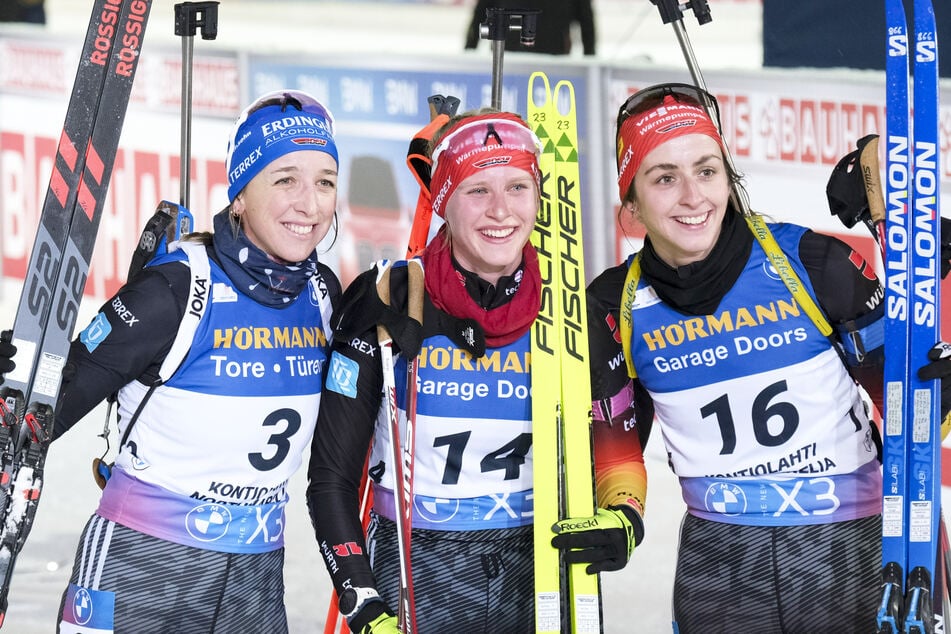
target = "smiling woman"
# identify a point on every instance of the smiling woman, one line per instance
(209, 445)
(779, 385)
(284, 198)
(471, 564)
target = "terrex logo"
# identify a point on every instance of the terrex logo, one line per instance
(441, 196)
(628, 155)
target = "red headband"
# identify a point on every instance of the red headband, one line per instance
(477, 143)
(641, 133)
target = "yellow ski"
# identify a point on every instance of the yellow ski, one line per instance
(567, 599)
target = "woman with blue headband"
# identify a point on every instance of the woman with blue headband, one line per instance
(216, 352)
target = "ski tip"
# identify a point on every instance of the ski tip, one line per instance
(568, 101)
(537, 98)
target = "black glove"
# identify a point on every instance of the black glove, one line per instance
(361, 309)
(939, 367)
(7, 352)
(605, 541)
(847, 189)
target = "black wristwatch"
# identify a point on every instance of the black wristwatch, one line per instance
(353, 599)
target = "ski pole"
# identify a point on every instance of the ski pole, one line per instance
(498, 22)
(189, 17)
(402, 480)
(671, 12)
(171, 221)
(441, 109)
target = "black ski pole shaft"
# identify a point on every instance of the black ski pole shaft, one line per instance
(498, 23)
(171, 221)
(671, 12)
(189, 17)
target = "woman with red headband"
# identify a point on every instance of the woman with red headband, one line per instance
(472, 475)
(756, 387)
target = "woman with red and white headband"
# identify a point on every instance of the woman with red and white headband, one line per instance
(762, 414)
(472, 564)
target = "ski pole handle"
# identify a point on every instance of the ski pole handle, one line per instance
(672, 10)
(498, 22)
(189, 17)
(416, 292)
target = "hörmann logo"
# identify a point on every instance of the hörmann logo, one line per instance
(247, 337)
(694, 328)
(442, 358)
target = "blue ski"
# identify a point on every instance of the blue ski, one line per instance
(895, 253)
(911, 525)
(923, 502)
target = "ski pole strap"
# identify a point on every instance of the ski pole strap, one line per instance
(779, 261)
(199, 289)
(775, 256)
(627, 307)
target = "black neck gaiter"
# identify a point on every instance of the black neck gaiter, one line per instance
(698, 287)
